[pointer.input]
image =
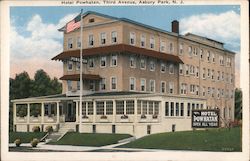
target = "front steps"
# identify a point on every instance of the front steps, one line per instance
(64, 128)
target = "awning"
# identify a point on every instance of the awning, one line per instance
(121, 48)
(76, 77)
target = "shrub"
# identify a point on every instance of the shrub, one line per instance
(103, 117)
(143, 116)
(155, 116)
(85, 117)
(36, 129)
(124, 117)
(49, 129)
(18, 142)
(34, 142)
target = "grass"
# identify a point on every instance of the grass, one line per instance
(25, 137)
(90, 139)
(210, 140)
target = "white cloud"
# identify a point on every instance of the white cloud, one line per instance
(223, 27)
(35, 51)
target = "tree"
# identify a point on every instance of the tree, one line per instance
(238, 104)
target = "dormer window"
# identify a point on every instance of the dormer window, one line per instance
(91, 20)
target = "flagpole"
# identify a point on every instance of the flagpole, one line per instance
(81, 85)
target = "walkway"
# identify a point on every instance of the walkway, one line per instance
(70, 148)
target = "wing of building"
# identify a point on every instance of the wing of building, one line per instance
(137, 79)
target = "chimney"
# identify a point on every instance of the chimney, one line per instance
(175, 26)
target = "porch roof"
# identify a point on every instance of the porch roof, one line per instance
(76, 77)
(121, 48)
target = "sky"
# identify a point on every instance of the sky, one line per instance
(35, 38)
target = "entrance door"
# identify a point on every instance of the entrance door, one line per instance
(71, 112)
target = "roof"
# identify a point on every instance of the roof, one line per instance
(191, 34)
(76, 77)
(122, 48)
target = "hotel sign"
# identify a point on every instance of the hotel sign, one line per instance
(205, 118)
(74, 59)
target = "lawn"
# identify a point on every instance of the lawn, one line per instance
(90, 139)
(210, 140)
(25, 137)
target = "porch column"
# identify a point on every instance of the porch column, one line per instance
(14, 116)
(77, 111)
(57, 113)
(94, 110)
(114, 111)
(28, 113)
(105, 107)
(42, 113)
(135, 110)
(124, 107)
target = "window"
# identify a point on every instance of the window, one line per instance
(203, 91)
(208, 73)
(227, 77)
(132, 84)
(163, 67)
(166, 108)
(208, 56)
(152, 85)
(171, 47)
(144, 107)
(231, 78)
(191, 69)
(188, 109)
(182, 109)
(99, 107)
(139, 107)
(221, 59)
(172, 108)
(218, 93)
(171, 87)
(183, 88)
(78, 85)
(143, 40)
(197, 90)
(181, 49)
(103, 84)
(228, 62)
(103, 61)
(177, 109)
(130, 107)
(103, 38)
(91, 40)
(212, 74)
(113, 83)
(119, 107)
(180, 69)
(222, 76)
(90, 108)
(163, 46)
(190, 51)
(132, 38)
(70, 65)
(78, 42)
(222, 92)
(163, 87)
(197, 72)
(171, 69)
(208, 91)
(201, 54)
(69, 84)
(152, 66)
(113, 37)
(193, 106)
(204, 73)
(132, 62)
(143, 84)
(195, 52)
(152, 42)
(156, 107)
(70, 43)
(92, 85)
(77, 66)
(91, 20)
(83, 108)
(113, 60)
(91, 63)
(187, 69)
(150, 107)
(143, 63)
(212, 92)
(213, 58)
(192, 88)
(218, 76)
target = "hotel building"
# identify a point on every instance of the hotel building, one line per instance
(137, 79)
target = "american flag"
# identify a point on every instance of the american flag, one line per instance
(74, 24)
